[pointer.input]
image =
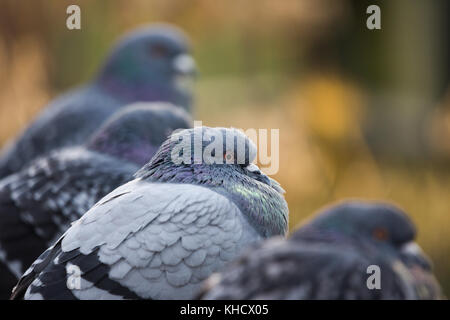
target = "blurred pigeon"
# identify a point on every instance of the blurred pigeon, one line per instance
(333, 257)
(157, 237)
(38, 203)
(149, 64)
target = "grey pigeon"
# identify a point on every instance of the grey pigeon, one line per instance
(334, 256)
(38, 203)
(185, 215)
(149, 64)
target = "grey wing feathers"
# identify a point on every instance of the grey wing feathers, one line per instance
(64, 185)
(157, 240)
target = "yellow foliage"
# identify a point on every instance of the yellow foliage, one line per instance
(331, 107)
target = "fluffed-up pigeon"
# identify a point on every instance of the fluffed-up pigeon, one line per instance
(354, 250)
(195, 206)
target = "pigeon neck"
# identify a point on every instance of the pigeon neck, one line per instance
(265, 208)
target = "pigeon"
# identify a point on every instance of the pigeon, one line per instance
(38, 203)
(151, 64)
(190, 210)
(337, 255)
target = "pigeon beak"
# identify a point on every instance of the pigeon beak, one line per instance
(258, 175)
(419, 271)
(412, 254)
(185, 72)
(253, 168)
(184, 64)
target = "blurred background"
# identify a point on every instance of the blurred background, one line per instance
(361, 113)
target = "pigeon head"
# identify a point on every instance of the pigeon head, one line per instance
(135, 132)
(221, 159)
(381, 223)
(150, 64)
(381, 226)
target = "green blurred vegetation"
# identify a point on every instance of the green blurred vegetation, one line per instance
(361, 113)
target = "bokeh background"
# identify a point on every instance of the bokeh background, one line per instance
(362, 114)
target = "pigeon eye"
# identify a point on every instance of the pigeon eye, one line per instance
(158, 51)
(228, 156)
(380, 234)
